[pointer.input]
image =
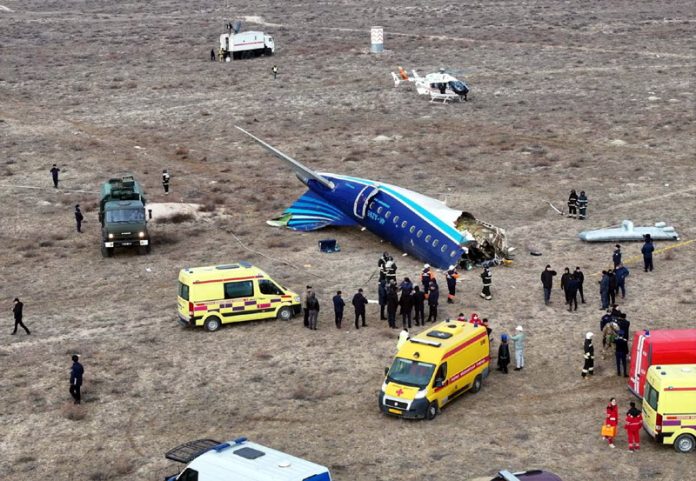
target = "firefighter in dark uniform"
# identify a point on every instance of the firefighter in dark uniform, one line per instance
(572, 204)
(487, 279)
(165, 181)
(451, 278)
(616, 256)
(588, 367)
(426, 277)
(275, 72)
(380, 265)
(390, 267)
(582, 205)
(580, 278)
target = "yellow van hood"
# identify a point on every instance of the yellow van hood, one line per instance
(400, 391)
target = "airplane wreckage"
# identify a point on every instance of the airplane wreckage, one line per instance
(628, 232)
(417, 224)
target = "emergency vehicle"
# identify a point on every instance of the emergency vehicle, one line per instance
(669, 405)
(215, 295)
(208, 460)
(246, 44)
(433, 368)
(664, 346)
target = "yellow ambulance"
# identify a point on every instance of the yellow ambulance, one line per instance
(669, 405)
(433, 368)
(215, 295)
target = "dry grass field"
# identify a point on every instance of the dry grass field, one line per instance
(596, 96)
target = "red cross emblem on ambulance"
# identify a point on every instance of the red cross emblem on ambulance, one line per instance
(399, 392)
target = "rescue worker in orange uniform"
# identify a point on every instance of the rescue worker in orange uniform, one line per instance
(451, 276)
(634, 421)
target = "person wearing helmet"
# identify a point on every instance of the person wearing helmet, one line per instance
(381, 263)
(487, 279)
(451, 278)
(426, 277)
(503, 354)
(518, 339)
(588, 367)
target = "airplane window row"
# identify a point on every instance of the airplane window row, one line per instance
(419, 234)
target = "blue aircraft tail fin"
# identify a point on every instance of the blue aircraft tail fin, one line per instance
(311, 212)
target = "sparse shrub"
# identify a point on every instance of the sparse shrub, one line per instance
(74, 412)
(123, 466)
(669, 255)
(176, 218)
(164, 238)
(25, 459)
(45, 243)
(182, 152)
(207, 207)
(263, 355)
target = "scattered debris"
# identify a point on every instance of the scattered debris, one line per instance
(628, 232)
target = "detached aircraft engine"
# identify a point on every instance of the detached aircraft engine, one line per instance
(419, 225)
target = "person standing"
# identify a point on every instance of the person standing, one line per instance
(305, 311)
(564, 283)
(611, 419)
(647, 251)
(623, 324)
(381, 263)
(572, 293)
(518, 339)
(165, 181)
(418, 306)
(581, 279)
(616, 256)
(54, 175)
(426, 277)
(382, 298)
(392, 305)
(451, 277)
(487, 279)
(621, 344)
(503, 354)
(275, 72)
(588, 348)
(582, 205)
(621, 274)
(572, 204)
(604, 290)
(634, 421)
(433, 298)
(547, 283)
(404, 336)
(406, 305)
(76, 373)
(17, 309)
(212, 55)
(613, 287)
(313, 309)
(359, 302)
(339, 304)
(390, 267)
(78, 218)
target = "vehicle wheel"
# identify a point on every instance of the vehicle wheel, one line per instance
(476, 386)
(268, 52)
(284, 314)
(212, 324)
(431, 411)
(107, 251)
(142, 250)
(685, 443)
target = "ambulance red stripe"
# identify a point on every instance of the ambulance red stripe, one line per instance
(229, 279)
(463, 345)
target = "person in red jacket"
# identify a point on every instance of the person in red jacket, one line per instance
(634, 421)
(612, 419)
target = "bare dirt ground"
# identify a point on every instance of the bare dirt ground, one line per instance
(597, 96)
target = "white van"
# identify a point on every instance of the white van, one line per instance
(241, 460)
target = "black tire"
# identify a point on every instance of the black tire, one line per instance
(431, 411)
(267, 52)
(685, 443)
(476, 386)
(212, 324)
(107, 251)
(143, 250)
(284, 314)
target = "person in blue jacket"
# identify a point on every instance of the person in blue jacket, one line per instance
(621, 274)
(338, 304)
(647, 251)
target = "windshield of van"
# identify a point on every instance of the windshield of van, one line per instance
(410, 373)
(651, 396)
(125, 215)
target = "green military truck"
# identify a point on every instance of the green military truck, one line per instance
(122, 216)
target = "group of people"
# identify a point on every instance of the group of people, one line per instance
(633, 423)
(310, 307)
(577, 205)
